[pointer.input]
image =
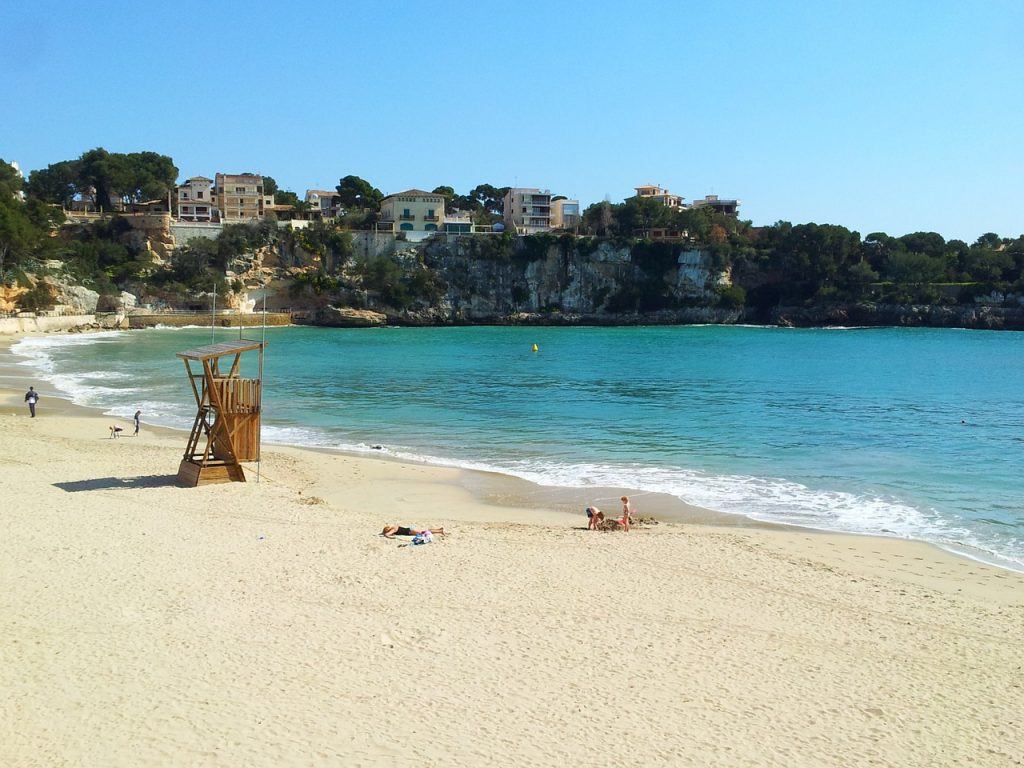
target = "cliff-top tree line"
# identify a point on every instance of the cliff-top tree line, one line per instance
(105, 176)
(781, 264)
(793, 264)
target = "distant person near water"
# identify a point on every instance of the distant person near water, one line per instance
(594, 518)
(390, 531)
(138, 415)
(32, 397)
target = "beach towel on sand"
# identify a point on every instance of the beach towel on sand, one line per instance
(423, 538)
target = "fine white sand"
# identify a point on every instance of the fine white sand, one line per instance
(268, 625)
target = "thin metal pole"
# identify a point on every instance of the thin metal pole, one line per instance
(213, 315)
(263, 351)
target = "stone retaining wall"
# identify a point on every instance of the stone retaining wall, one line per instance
(46, 324)
(179, 320)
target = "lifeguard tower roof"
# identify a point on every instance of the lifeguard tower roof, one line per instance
(221, 349)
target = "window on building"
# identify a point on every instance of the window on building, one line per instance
(405, 212)
(199, 195)
(430, 212)
(239, 190)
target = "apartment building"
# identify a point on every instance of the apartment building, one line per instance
(240, 197)
(323, 200)
(196, 200)
(527, 210)
(728, 207)
(655, 192)
(412, 211)
(565, 214)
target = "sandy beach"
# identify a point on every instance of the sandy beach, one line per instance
(269, 625)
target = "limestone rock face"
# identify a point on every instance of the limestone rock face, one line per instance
(9, 295)
(127, 301)
(338, 317)
(77, 298)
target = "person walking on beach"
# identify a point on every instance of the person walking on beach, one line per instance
(138, 415)
(32, 397)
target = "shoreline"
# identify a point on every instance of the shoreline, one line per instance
(499, 489)
(268, 624)
(493, 487)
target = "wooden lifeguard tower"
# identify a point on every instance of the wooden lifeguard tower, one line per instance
(228, 414)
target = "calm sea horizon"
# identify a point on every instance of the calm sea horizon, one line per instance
(913, 432)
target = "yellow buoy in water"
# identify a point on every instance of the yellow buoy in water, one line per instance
(536, 348)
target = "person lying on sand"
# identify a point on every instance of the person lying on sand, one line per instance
(594, 518)
(390, 531)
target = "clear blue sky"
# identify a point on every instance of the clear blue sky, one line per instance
(887, 115)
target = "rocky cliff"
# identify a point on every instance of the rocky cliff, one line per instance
(548, 280)
(977, 317)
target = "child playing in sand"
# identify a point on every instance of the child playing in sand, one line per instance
(594, 518)
(115, 432)
(627, 512)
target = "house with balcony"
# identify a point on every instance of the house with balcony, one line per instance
(655, 192)
(240, 198)
(565, 213)
(413, 211)
(195, 200)
(459, 222)
(720, 205)
(323, 200)
(527, 210)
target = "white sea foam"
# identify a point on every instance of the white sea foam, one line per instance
(766, 499)
(769, 499)
(81, 388)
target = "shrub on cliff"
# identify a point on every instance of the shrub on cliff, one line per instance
(731, 296)
(37, 298)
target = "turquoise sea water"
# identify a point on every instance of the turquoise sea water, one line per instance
(844, 429)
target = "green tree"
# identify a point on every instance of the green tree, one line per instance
(355, 192)
(491, 198)
(23, 225)
(641, 214)
(913, 268)
(287, 197)
(931, 243)
(448, 193)
(466, 203)
(57, 183)
(144, 176)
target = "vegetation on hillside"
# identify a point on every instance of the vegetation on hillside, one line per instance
(800, 264)
(105, 177)
(782, 264)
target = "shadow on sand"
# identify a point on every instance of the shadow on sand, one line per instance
(108, 483)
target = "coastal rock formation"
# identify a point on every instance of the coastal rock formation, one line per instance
(9, 295)
(557, 280)
(344, 317)
(76, 299)
(978, 317)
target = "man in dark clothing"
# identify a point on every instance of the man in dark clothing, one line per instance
(32, 397)
(138, 415)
